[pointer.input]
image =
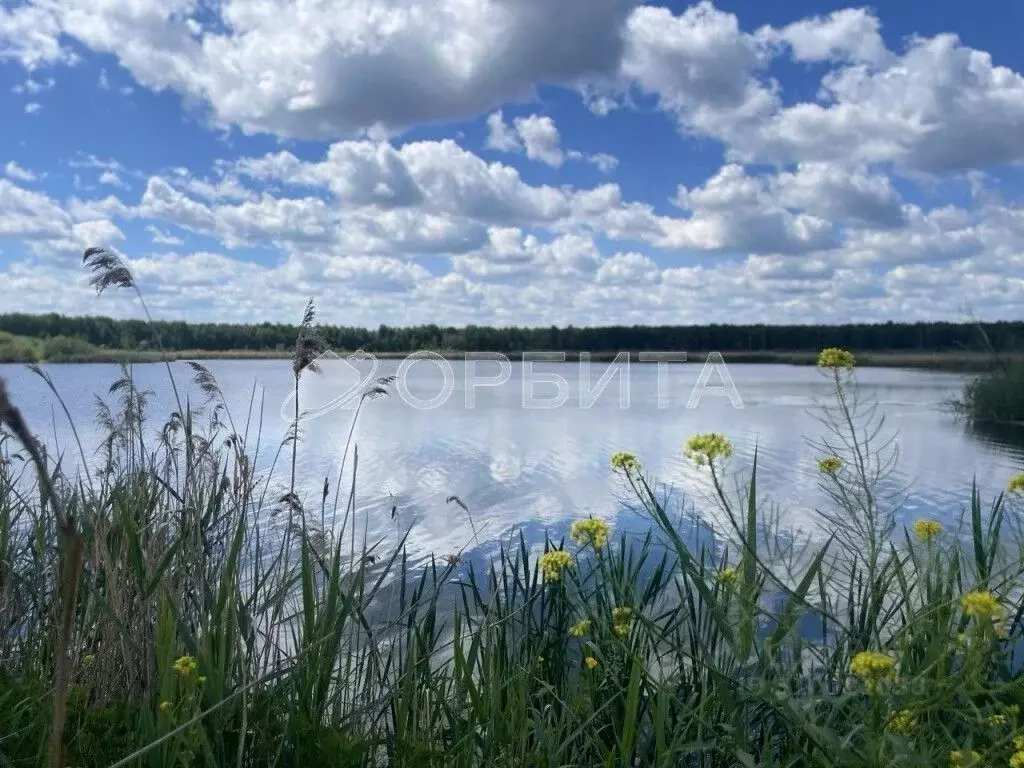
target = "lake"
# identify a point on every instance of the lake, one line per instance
(531, 452)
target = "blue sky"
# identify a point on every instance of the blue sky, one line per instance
(515, 161)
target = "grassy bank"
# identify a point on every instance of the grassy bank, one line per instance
(62, 349)
(21, 349)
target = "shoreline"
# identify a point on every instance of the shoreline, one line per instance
(957, 362)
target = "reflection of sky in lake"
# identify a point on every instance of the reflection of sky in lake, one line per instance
(537, 469)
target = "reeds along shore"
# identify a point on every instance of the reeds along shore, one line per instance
(996, 397)
(170, 604)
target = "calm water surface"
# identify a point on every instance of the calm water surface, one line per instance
(535, 468)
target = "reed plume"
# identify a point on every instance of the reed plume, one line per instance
(108, 270)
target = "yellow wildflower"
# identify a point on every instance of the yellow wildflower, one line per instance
(871, 664)
(1016, 484)
(728, 576)
(706, 447)
(836, 358)
(88, 660)
(591, 662)
(1017, 759)
(960, 758)
(590, 531)
(997, 720)
(622, 614)
(873, 667)
(165, 706)
(982, 605)
(830, 465)
(621, 617)
(625, 460)
(553, 563)
(1018, 742)
(580, 629)
(902, 722)
(185, 666)
(926, 530)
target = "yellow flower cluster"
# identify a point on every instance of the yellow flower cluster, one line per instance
(873, 667)
(705, 448)
(590, 531)
(997, 720)
(621, 618)
(88, 660)
(926, 530)
(580, 628)
(1016, 484)
(728, 576)
(982, 606)
(553, 563)
(902, 722)
(1017, 759)
(869, 664)
(830, 465)
(591, 662)
(960, 758)
(165, 706)
(625, 460)
(836, 358)
(185, 666)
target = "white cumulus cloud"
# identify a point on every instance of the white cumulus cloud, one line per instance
(431, 59)
(19, 173)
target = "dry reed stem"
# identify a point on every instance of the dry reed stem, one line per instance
(72, 551)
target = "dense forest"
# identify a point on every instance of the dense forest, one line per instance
(902, 337)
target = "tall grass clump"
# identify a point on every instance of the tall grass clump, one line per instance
(183, 602)
(18, 349)
(996, 396)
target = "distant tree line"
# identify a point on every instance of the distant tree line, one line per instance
(905, 337)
